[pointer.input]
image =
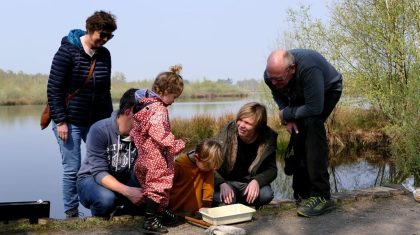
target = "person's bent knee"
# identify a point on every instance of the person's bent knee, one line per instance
(100, 200)
(104, 204)
(266, 195)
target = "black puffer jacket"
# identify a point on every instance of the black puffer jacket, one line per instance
(69, 69)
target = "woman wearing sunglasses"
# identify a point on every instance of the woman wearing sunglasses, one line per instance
(79, 52)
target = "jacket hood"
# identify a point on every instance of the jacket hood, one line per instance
(74, 37)
(145, 93)
(148, 96)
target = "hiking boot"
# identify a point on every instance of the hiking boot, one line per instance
(169, 218)
(72, 213)
(300, 200)
(315, 206)
(152, 224)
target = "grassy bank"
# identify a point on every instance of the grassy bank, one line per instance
(23, 89)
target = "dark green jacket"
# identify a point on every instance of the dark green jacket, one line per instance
(263, 168)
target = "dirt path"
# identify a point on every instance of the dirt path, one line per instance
(393, 214)
(397, 215)
(379, 210)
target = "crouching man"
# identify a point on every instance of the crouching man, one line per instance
(105, 182)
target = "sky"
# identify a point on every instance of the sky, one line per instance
(216, 39)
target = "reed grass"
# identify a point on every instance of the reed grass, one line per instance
(361, 132)
(20, 88)
(199, 127)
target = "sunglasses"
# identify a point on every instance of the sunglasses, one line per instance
(103, 35)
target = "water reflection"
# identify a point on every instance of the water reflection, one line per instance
(345, 177)
(32, 165)
(357, 175)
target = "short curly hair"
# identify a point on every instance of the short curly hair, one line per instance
(169, 82)
(101, 20)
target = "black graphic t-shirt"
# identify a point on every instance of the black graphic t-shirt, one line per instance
(121, 157)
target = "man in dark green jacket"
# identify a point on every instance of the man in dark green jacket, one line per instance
(249, 166)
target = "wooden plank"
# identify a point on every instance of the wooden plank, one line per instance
(197, 222)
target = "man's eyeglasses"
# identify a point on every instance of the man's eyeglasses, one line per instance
(281, 78)
(103, 35)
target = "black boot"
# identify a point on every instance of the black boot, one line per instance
(170, 219)
(152, 220)
(152, 224)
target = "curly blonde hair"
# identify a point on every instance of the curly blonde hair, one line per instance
(169, 82)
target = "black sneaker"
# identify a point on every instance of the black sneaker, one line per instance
(152, 225)
(314, 206)
(170, 219)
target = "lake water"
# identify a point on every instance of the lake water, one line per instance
(31, 163)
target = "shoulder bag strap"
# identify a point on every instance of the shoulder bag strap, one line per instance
(92, 67)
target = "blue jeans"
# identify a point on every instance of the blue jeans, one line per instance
(265, 196)
(102, 201)
(71, 159)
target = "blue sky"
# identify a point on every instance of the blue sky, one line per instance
(216, 39)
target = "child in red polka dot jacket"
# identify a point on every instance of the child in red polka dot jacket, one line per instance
(157, 147)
